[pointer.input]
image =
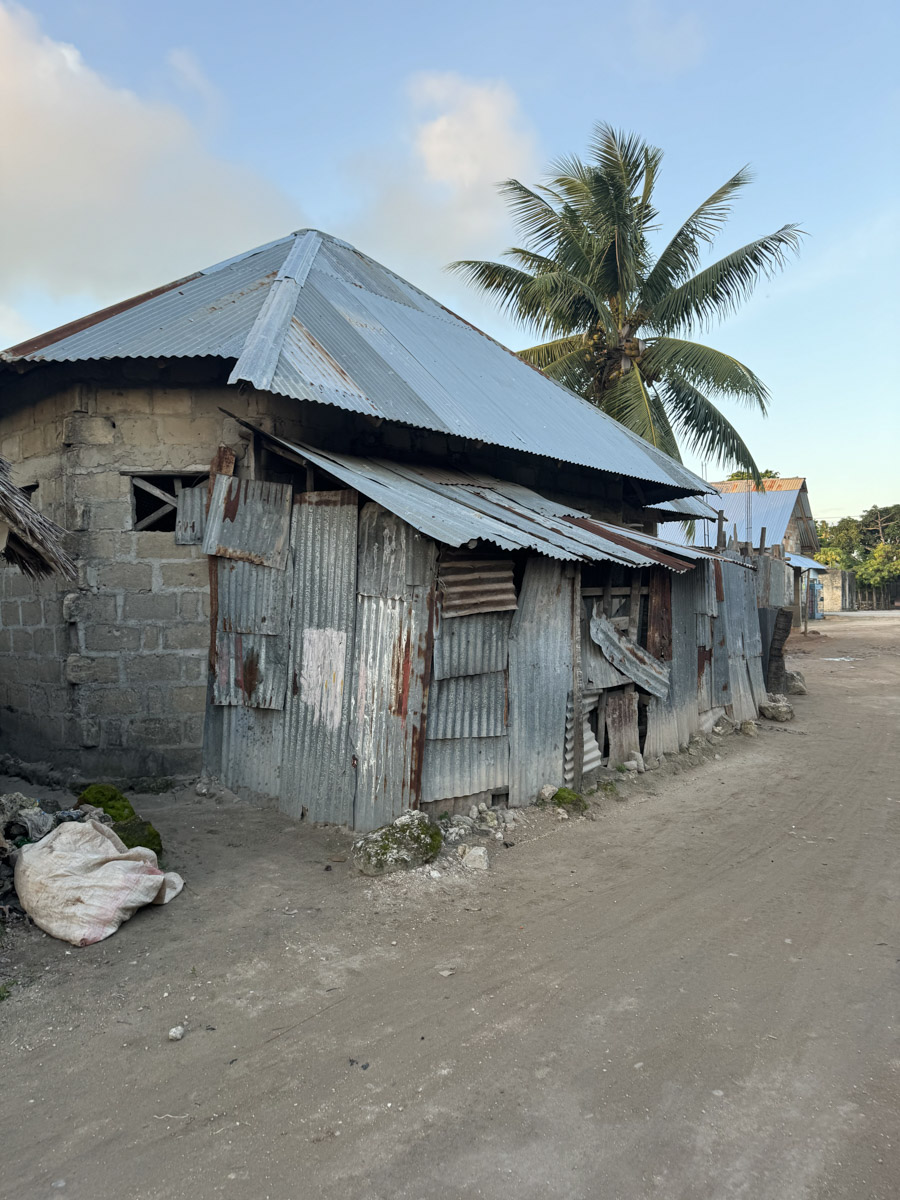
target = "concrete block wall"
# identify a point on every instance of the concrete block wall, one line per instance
(107, 675)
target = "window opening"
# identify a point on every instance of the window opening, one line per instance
(154, 500)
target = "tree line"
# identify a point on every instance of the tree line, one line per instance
(868, 545)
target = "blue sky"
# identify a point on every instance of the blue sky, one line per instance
(145, 140)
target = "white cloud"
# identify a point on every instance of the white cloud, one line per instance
(103, 193)
(190, 75)
(439, 201)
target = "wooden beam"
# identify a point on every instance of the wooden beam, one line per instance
(154, 490)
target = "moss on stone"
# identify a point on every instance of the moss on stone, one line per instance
(411, 841)
(137, 832)
(569, 800)
(110, 800)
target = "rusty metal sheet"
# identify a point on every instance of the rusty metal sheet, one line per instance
(622, 725)
(463, 766)
(471, 645)
(468, 585)
(720, 682)
(190, 518)
(318, 777)
(628, 657)
(742, 700)
(393, 557)
(468, 706)
(659, 615)
(249, 520)
(683, 667)
(251, 670)
(597, 671)
(705, 700)
(251, 598)
(392, 667)
(540, 678)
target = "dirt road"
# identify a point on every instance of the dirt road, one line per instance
(692, 997)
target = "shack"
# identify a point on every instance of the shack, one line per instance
(349, 554)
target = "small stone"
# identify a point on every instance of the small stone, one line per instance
(794, 683)
(723, 726)
(473, 813)
(482, 807)
(547, 792)
(476, 859)
(631, 765)
(499, 837)
(777, 708)
(176, 1033)
(749, 729)
(410, 841)
(435, 874)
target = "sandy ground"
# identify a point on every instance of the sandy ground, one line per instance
(693, 996)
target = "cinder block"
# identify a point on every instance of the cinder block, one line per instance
(81, 669)
(152, 668)
(189, 700)
(22, 642)
(31, 612)
(185, 575)
(44, 641)
(195, 666)
(134, 577)
(10, 614)
(112, 702)
(192, 731)
(111, 637)
(156, 731)
(151, 639)
(186, 636)
(89, 733)
(106, 514)
(79, 429)
(150, 606)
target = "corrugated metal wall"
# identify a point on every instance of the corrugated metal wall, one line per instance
(317, 772)
(392, 664)
(467, 746)
(540, 676)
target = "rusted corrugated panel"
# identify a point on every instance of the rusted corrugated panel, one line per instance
(392, 555)
(705, 699)
(540, 678)
(659, 615)
(471, 645)
(463, 766)
(249, 520)
(721, 675)
(473, 585)
(251, 670)
(597, 671)
(190, 519)
(628, 657)
(251, 598)
(317, 770)
(392, 667)
(468, 706)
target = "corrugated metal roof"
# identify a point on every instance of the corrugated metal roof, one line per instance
(454, 507)
(805, 564)
(311, 318)
(768, 510)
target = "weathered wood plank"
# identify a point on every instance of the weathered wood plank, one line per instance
(622, 726)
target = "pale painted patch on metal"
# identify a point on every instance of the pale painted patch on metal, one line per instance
(322, 674)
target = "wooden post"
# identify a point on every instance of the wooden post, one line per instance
(762, 540)
(222, 464)
(720, 530)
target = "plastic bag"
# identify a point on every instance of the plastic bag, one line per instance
(81, 882)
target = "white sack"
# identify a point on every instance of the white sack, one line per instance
(80, 882)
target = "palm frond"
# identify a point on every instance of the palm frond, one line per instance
(682, 255)
(637, 406)
(546, 354)
(711, 370)
(720, 289)
(534, 214)
(623, 156)
(703, 428)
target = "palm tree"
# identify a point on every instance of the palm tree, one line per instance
(614, 319)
